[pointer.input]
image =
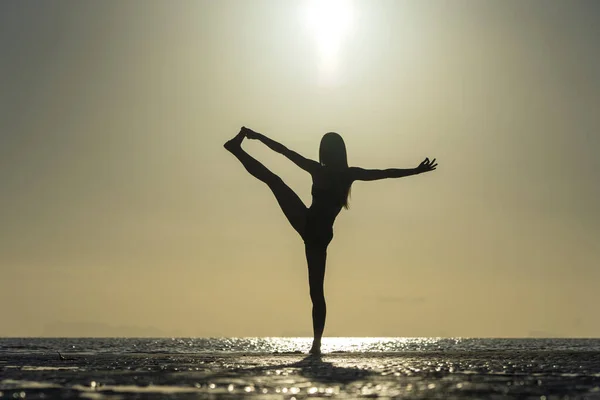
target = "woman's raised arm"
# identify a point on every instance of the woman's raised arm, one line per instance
(306, 164)
(361, 174)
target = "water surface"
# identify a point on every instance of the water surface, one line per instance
(270, 368)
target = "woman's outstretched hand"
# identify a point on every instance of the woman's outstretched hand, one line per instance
(426, 166)
(249, 133)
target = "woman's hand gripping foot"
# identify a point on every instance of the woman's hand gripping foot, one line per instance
(236, 142)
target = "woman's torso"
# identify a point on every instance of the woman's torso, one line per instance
(329, 191)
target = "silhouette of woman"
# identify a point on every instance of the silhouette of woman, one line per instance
(332, 179)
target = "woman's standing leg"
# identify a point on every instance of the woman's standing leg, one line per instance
(316, 257)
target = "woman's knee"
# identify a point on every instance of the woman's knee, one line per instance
(317, 297)
(274, 181)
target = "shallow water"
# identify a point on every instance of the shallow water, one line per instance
(286, 344)
(271, 368)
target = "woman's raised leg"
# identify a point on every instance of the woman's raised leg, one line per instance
(316, 257)
(291, 205)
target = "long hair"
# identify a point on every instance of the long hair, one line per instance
(332, 153)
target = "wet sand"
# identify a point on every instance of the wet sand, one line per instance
(419, 375)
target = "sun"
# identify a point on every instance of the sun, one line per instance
(330, 21)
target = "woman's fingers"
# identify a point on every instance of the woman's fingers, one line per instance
(428, 164)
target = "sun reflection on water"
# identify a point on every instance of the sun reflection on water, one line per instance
(369, 344)
(352, 344)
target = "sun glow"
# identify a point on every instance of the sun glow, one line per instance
(330, 21)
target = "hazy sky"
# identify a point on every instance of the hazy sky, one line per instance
(121, 213)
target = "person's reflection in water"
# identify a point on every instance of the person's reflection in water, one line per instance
(332, 179)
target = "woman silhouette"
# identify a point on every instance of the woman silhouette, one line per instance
(332, 179)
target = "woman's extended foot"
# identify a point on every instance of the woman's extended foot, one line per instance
(235, 143)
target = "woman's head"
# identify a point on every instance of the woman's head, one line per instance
(332, 151)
